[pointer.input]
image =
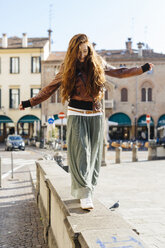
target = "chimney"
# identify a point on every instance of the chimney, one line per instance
(24, 40)
(129, 46)
(94, 44)
(140, 53)
(49, 33)
(4, 41)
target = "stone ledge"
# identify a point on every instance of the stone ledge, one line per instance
(68, 226)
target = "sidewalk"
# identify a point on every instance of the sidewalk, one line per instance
(140, 189)
(20, 222)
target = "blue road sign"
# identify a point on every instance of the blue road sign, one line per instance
(50, 120)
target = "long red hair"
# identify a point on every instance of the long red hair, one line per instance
(93, 68)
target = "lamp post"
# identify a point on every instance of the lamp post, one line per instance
(134, 120)
(103, 162)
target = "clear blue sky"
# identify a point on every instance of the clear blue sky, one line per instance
(108, 23)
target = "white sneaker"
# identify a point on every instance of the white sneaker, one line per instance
(86, 203)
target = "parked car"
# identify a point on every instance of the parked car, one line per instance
(14, 142)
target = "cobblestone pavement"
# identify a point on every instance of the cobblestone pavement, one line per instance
(20, 222)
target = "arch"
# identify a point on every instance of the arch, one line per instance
(147, 84)
(142, 121)
(121, 118)
(5, 119)
(28, 119)
(161, 121)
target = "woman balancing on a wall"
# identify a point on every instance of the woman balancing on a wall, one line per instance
(81, 78)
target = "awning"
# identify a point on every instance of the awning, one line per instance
(56, 117)
(28, 119)
(121, 118)
(161, 121)
(112, 123)
(5, 119)
(142, 121)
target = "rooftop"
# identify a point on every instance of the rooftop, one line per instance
(56, 56)
(16, 42)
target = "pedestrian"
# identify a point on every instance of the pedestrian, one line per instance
(81, 78)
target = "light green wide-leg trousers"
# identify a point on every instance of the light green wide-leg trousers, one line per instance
(85, 143)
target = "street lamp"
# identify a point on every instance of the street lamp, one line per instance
(103, 162)
(134, 116)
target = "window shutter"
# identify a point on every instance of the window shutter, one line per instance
(31, 64)
(106, 95)
(10, 65)
(39, 64)
(40, 103)
(18, 65)
(0, 98)
(149, 94)
(143, 96)
(124, 95)
(10, 98)
(31, 92)
(18, 96)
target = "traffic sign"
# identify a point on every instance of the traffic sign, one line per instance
(50, 120)
(148, 119)
(61, 115)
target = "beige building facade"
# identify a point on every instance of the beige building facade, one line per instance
(20, 79)
(127, 100)
(136, 97)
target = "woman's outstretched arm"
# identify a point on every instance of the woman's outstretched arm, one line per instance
(127, 72)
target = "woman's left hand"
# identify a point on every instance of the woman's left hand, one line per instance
(151, 66)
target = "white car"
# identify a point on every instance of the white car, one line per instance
(14, 142)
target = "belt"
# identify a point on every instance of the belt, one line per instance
(85, 111)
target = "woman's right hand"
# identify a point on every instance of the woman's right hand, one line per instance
(21, 107)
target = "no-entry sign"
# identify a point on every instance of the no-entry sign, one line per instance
(148, 119)
(61, 115)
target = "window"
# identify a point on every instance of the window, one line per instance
(149, 94)
(143, 97)
(14, 98)
(146, 95)
(35, 92)
(53, 97)
(56, 97)
(14, 65)
(0, 99)
(106, 94)
(122, 65)
(56, 69)
(124, 95)
(36, 64)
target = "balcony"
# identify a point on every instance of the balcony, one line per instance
(109, 104)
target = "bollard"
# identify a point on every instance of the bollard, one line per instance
(134, 154)
(118, 151)
(12, 165)
(152, 152)
(0, 174)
